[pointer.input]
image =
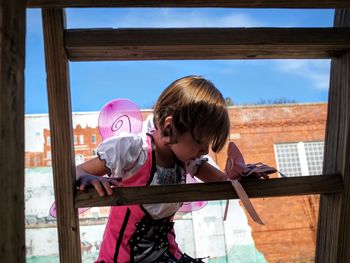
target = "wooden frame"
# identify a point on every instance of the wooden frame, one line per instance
(331, 247)
(63, 164)
(12, 56)
(192, 3)
(205, 43)
(275, 187)
(333, 234)
(333, 242)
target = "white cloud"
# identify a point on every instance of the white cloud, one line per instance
(241, 20)
(161, 17)
(186, 18)
(316, 71)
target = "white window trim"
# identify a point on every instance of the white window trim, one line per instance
(301, 153)
(302, 159)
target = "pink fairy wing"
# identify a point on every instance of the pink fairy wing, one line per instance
(53, 211)
(118, 116)
(235, 164)
(235, 168)
(192, 206)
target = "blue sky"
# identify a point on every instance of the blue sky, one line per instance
(93, 84)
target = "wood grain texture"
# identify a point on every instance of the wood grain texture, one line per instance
(61, 135)
(212, 191)
(192, 3)
(205, 43)
(12, 56)
(333, 235)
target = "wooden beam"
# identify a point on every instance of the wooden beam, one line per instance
(193, 3)
(12, 49)
(212, 191)
(205, 43)
(61, 134)
(333, 235)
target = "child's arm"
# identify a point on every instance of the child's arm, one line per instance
(208, 173)
(234, 167)
(90, 173)
(119, 156)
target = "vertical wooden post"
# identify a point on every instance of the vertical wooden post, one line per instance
(12, 50)
(57, 69)
(333, 236)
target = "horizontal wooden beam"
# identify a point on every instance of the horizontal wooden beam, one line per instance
(205, 43)
(212, 191)
(192, 3)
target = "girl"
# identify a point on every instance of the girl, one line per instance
(189, 116)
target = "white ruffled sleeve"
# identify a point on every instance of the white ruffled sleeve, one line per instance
(123, 155)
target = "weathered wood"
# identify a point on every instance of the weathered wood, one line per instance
(192, 3)
(61, 135)
(12, 49)
(333, 235)
(205, 43)
(212, 191)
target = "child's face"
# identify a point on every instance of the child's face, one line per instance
(187, 148)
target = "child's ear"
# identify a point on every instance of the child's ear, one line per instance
(167, 130)
(167, 126)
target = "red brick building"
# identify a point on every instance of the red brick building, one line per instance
(290, 222)
(34, 159)
(287, 136)
(86, 141)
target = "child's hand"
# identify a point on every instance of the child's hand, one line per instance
(102, 185)
(258, 170)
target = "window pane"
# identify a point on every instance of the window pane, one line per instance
(314, 157)
(288, 159)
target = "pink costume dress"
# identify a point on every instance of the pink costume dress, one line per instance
(140, 233)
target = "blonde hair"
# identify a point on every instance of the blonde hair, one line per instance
(197, 106)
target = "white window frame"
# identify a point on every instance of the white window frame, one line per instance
(302, 157)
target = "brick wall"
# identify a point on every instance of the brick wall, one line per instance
(290, 222)
(86, 139)
(34, 159)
